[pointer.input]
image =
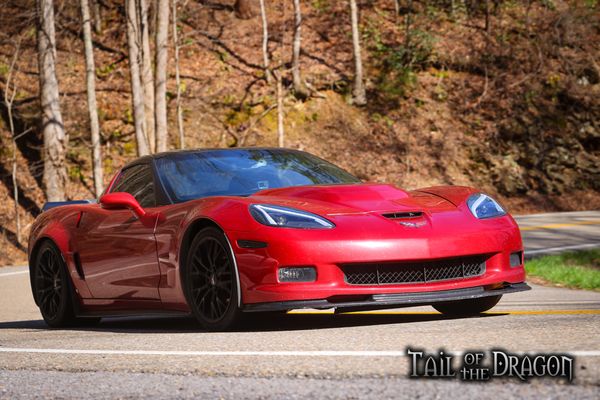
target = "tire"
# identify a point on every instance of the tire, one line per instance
(52, 287)
(467, 307)
(210, 281)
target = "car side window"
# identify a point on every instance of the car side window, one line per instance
(137, 181)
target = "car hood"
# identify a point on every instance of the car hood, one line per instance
(353, 199)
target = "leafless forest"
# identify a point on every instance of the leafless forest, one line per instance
(503, 95)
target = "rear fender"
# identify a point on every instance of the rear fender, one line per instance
(59, 231)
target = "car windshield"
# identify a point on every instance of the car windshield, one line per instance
(192, 175)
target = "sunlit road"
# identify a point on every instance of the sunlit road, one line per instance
(551, 233)
(317, 355)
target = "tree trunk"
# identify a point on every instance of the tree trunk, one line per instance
(397, 7)
(407, 31)
(487, 17)
(265, 42)
(90, 74)
(359, 96)
(9, 99)
(147, 77)
(299, 86)
(160, 96)
(137, 99)
(280, 112)
(55, 139)
(243, 9)
(178, 80)
(97, 16)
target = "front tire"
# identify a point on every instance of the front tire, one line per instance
(467, 307)
(210, 281)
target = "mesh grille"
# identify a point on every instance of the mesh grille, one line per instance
(413, 272)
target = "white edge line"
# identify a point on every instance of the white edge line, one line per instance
(560, 248)
(13, 273)
(315, 353)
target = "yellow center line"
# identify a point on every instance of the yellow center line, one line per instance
(498, 312)
(558, 226)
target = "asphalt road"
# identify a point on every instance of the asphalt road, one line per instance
(306, 355)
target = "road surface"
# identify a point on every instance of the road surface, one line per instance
(303, 354)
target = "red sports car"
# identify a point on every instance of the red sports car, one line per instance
(218, 233)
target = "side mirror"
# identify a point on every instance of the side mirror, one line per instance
(122, 200)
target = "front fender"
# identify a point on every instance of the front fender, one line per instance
(454, 194)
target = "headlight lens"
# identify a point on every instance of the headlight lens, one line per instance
(288, 217)
(483, 206)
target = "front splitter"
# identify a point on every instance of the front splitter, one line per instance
(394, 300)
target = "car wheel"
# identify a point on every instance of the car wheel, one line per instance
(52, 287)
(210, 281)
(467, 307)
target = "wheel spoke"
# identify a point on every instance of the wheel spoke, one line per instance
(49, 283)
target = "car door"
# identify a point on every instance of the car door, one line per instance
(117, 250)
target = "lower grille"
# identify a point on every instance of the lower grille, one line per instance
(413, 272)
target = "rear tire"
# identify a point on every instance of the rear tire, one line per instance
(467, 307)
(52, 287)
(210, 281)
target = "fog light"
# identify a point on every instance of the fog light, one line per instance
(515, 259)
(297, 274)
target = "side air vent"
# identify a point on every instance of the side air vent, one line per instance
(77, 260)
(403, 215)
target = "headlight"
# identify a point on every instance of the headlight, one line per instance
(288, 217)
(483, 206)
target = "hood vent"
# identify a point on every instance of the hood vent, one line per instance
(403, 215)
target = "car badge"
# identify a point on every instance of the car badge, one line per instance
(413, 224)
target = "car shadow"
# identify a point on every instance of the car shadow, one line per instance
(254, 322)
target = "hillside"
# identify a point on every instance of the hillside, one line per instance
(514, 109)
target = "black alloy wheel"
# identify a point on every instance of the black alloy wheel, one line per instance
(210, 281)
(52, 287)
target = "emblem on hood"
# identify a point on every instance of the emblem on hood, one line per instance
(408, 224)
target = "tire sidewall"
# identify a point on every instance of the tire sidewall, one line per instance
(468, 307)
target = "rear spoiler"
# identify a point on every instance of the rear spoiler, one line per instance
(52, 204)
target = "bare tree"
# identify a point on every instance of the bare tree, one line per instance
(97, 16)
(488, 26)
(55, 138)
(90, 75)
(178, 79)
(397, 6)
(265, 42)
(299, 86)
(9, 98)
(160, 95)
(137, 98)
(359, 96)
(147, 76)
(243, 9)
(279, 89)
(407, 28)
(280, 111)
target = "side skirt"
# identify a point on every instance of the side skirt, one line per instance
(122, 308)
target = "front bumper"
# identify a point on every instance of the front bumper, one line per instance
(390, 300)
(369, 240)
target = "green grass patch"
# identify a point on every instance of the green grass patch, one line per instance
(580, 270)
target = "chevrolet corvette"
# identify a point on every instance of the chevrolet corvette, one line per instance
(226, 232)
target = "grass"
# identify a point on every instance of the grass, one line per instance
(580, 270)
